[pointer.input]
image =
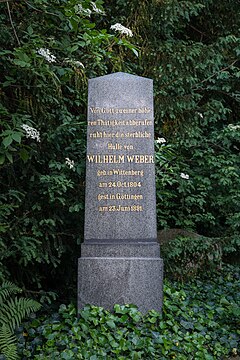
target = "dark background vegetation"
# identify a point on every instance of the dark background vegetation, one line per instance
(191, 51)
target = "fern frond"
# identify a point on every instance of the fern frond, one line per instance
(6, 289)
(13, 312)
(8, 343)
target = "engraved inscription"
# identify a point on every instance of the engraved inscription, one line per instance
(121, 172)
(122, 189)
(117, 159)
(112, 208)
(102, 110)
(119, 196)
(120, 184)
(120, 135)
(115, 122)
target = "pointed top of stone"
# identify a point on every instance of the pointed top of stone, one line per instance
(120, 75)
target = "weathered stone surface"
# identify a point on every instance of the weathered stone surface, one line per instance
(166, 235)
(121, 250)
(120, 257)
(120, 174)
(108, 281)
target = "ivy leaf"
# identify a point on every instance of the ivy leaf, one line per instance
(111, 324)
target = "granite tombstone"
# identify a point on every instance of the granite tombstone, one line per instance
(120, 257)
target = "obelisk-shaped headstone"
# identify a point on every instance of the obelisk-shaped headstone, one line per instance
(120, 260)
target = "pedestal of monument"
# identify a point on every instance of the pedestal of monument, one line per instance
(120, 258)
(121, 274)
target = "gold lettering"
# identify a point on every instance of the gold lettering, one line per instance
(116, 146)
(130, 172)
(101, 173)
(106, 159)
(144, 110)
(102, 110)
(90, 158)
(102, 184)
(102, 197)
(92, 123)
(102, 208)
(128, 147)
(130, 158)
(144, 159)
(96, 135)
(138, 134)
(119, 196)
(129, 196)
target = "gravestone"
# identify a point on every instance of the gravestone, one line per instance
(120, 258)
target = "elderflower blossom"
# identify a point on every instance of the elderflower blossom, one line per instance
(31, 132)
(122, 29)
(184, 176)
(96, 9)
(160, 140)
(69, 163)
(233, 127)
(75, 63)
(83, 11)
(47, 55)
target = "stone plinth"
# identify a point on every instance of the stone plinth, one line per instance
(127, 274)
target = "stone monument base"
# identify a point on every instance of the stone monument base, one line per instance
(110, 274)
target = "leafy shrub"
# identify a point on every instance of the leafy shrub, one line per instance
(48, 52)
(186, 257)
(193, 60)
(199, 321)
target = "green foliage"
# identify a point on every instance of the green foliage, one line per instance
(8, 343)
(191, 49)
(199, 321)
(185, 257)
(48, 51)
(12, 311)
(209, 200)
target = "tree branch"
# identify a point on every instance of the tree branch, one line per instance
(11, 21)
(217, 72)
(38, 10)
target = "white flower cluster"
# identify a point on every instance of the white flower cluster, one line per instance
(123, 30)
(201, 115)
(184, 176)
(96, 9)
(161, 141)
(233, 127)
(88, 12)
(74, 63)
(83, 11)
(47, 55)
(69, 163)
(31, 132)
